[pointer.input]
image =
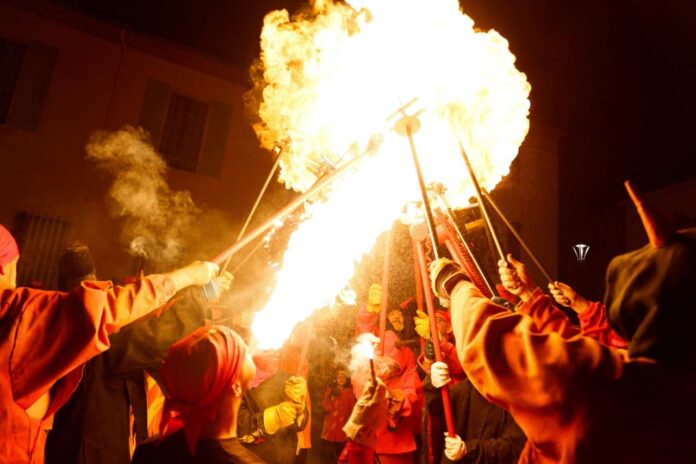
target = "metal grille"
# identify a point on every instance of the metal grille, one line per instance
(11, 57)
(183, 132)
(41, 240)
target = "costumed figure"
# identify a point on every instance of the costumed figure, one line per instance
(46, 337)
(205, 375)
(106, 417)
(578, 400)
(338, 402)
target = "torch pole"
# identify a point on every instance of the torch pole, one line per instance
(450, 216)
(385, 291)
(482, 206)
(517, 236)
(435, 336)
(283, 213)
(424, 191)
(242, 231)
(409, 122)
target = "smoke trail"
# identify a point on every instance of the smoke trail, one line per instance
(155, 218)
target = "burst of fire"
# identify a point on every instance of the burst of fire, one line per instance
(329, 78)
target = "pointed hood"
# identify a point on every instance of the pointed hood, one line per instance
(660, 231)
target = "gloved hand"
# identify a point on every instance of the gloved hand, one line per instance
(439, 374)
(429, 350)
(374, 298)
(444, 276)
(515, 279)
(567, 296)
(197, 273)
(369, 412)
(422, 324)
(455, 448)
(296, 392)
(279, 416)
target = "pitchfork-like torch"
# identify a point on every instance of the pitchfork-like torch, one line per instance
(408, 125)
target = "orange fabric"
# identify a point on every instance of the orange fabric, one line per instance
(45, 337)
(576, 399)
(8, 247)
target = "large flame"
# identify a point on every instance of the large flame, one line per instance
(330, 78)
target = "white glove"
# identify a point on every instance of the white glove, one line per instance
(439, 374)
(455, 448)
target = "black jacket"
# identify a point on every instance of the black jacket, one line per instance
(93, 426)
(174, 450)
(489, 432)
(281, 447)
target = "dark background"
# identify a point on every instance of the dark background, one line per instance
(617, 77)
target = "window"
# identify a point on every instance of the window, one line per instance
(11, 57)
(42, 239)
(183, 132)
(190, 135)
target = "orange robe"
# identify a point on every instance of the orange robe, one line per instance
(45, 337)
(577, 400)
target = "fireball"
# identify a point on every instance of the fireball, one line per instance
(328, 80)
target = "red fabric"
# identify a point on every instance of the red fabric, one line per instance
(197, 373)
(337, 411)
(355, 453)
(576, 399)
(267, 363)
(402, 438)
(8, 246)
(45, 337)
(594, 323)
(365, 321)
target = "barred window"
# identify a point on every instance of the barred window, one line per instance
(42, 240)
(11, 57)
(183, 132)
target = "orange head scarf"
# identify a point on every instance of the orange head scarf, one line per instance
(196, 373)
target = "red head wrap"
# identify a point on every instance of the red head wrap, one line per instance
(197, 371)
(8, 247)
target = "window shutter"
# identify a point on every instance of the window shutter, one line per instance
(154, 109)
(215, 143)
(32, 86)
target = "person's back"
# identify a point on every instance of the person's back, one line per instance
(174, 450)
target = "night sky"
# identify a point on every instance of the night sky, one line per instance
(617, 77)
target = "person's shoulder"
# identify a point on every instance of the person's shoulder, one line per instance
(171, 449)
(238, 453)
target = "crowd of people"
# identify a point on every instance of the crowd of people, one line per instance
(141, 372)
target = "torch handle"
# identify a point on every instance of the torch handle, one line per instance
(482, 206)
(519, 238)
(283, 213)
(384, 303)
(424, 194)
(435, 335)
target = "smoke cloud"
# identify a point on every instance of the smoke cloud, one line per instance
(156, 218)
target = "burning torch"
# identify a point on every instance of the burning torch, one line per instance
(408, 125)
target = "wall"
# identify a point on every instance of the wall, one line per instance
(98, 82)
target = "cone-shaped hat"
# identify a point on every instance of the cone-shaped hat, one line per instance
(660, 231)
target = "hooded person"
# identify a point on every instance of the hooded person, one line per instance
(576, 399)
(205, 376)
(47, 336)
(395, 438)
(106, 417)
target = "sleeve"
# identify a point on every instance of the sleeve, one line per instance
(57, 332)
(505, 448)
(593, 323)
(547, 317)
(539, 376)
(144, 343)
